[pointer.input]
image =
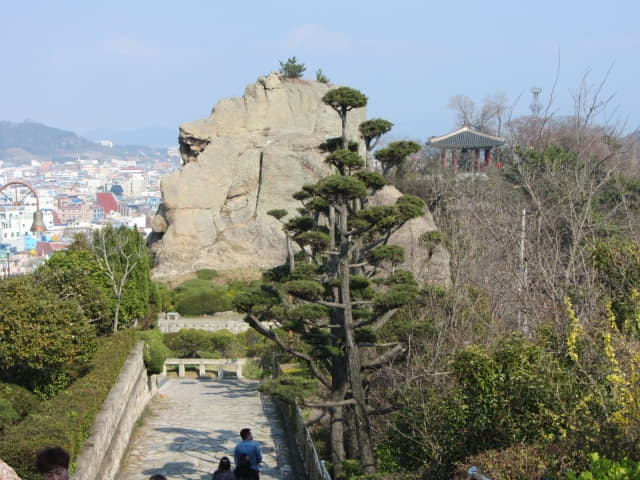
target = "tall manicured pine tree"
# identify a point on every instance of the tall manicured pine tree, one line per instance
(337, 293)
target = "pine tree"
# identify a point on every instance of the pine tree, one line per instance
(337, 291)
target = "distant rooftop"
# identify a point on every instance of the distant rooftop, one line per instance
(466, 137)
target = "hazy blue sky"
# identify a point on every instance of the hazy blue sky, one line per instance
(126, 65)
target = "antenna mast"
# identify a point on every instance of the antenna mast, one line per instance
(535, 106)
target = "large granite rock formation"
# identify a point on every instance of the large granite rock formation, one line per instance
(247, 158)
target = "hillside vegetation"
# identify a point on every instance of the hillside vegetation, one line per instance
(528, 367)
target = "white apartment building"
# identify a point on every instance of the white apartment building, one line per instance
(15, 224)
(134, 185)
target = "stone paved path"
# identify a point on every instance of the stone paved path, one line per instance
(192, 423)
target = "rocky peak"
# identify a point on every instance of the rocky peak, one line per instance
(248, 157)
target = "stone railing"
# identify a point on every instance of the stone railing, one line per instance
(103, 451)
(203, 363)
(172, 322)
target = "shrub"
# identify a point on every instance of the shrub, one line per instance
(291, 68)
(188, 342)
(604, 469)
(352, 468)
(163, 297)
(199, 297)
(252, 370)
(155, 351)
(521, 461)
(8, 414)
(194, 343)
(290, 386)
(321, 77)
(41, 334)
(67, 419)
(206, 274)
(226, 344)
(18, 400)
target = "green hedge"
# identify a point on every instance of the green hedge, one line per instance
(155, 351)
(67, 419)
(199, 296)
(194, 343)
(16, 402)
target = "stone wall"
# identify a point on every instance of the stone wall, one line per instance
(103, 451)
(232, 321)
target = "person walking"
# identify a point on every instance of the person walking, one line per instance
(244, 471)
(247, 446)
(224, 470)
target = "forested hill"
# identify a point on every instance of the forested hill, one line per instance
(22, 141)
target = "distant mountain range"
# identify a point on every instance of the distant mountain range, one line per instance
(156, 137)
(23, 141)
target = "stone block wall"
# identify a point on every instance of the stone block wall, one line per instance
(232, 321)
(103, 451)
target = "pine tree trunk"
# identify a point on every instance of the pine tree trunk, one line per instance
(350, 433)
(343, 117)
(290, 254)
(338, 391)
(353, 359)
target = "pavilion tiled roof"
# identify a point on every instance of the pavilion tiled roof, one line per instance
(466, 138)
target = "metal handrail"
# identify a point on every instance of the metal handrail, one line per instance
(316, 468)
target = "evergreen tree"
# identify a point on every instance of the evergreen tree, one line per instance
(291, 68)
(75, 274)
(41, 333)
(395, 154)
(371, 131)
(337, 293)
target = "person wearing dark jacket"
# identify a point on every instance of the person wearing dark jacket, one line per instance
(243, 470)
(250, 448)
(224, 470)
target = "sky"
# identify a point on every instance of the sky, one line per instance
(130, 65)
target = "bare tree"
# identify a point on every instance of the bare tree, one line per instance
(489, 118)
(119, 253)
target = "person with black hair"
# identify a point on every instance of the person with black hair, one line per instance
(243, 469)
(224, 470)
(53, 463)
(249, 448)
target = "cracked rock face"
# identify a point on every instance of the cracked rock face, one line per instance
(249, 157)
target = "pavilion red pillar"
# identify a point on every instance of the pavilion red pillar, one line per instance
(477, 152)
(443, 156)
(454, 159)
(487, 157)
